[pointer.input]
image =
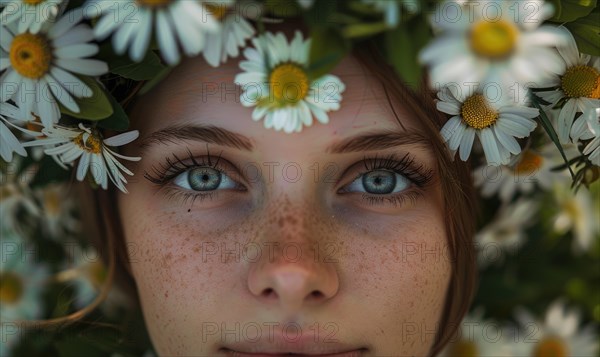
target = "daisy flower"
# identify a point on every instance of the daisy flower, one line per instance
(9, 143)
(496, 125)
(495, 42)
(391, 9)
(43, 64)
(174, 22)
(21, 280)
(276, 81)
(558, 335)
(577, 86)
(30, 15)
(530, 169)
(233, 33)
(476, 337)
(57, 207)
(577, 212)
(506, 233)
(91, 149)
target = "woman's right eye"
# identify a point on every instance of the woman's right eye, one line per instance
(204, 179)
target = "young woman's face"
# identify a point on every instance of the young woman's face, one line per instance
(247, 240)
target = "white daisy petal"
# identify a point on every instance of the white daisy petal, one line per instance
(88, 67)
(466, 143)
(122, 139)
(507, 141)
(565, 121)
(165, 37)
(490, 147)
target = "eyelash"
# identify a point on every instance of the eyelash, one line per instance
(171, 168)
(407, 167)
(418, 174)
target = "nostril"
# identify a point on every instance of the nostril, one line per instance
(316, 294)
(269, 293)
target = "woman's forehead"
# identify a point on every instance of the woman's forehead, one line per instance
(197, 94)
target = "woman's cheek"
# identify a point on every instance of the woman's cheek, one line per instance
(179, 267)
(401, 267)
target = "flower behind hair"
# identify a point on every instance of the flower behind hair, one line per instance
(495, 124)
(92, 151)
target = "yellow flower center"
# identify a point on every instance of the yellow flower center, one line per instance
(581, 81)
(530, 163)
(464, 349)
(33, 2)
(92, 145)
(31, 55)
(11, 288)
(154, 3)
(550, 347)
(477, 113)
(289, 83)
(494, 40)
(218, 11)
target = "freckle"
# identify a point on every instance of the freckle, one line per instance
(167, 293)
(168, 256)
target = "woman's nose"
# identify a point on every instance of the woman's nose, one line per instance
(296, 271)
(293, 284)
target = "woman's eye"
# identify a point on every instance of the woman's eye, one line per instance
(204, 179)
(379, 182)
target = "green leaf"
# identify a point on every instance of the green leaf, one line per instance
(403, 45)
(118, 121)
(550, 129)
(586, 31)
(571, 10)
(96, 107)
(144, 70)
(327, 49)
(154, 81)
(363, 30)
(321, 13)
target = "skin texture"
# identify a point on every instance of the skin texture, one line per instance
(290, 254)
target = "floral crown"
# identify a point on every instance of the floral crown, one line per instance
(500, 68)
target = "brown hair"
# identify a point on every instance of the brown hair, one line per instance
(456, 184)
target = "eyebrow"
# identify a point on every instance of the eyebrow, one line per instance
(379, 141)
(206, 133)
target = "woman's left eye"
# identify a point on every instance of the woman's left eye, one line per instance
(204, 179)
(379, 182)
